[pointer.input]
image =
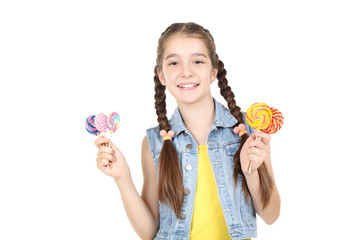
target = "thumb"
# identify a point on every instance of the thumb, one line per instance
(252, 137)
(118, 153)
(264, 137)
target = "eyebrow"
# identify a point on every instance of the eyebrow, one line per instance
(195, 54)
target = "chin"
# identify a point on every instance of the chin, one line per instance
(191, 99)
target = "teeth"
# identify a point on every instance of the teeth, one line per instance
(188, 86)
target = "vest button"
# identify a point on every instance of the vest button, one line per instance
(182, 216)
(188, 167)
(186, 191)
(185, 133)
(189, 146)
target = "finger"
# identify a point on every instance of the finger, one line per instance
(117, 152)
(251, 139)
(99, 164)
(254, 150)
(264, 137)
(253, 136)
(258, 143)
(254, 158)
(107, 156)
(102, 166)
(105, 149)
(100, 141)
(104, 162)
(99, 160)
(252, 143)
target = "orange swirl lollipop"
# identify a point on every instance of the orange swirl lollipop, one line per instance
(259, 116)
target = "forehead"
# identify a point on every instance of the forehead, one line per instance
(184, 45)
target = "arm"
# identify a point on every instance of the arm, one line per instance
(142, 211)
(258, 151)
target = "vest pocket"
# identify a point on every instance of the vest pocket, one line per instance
(230, 149)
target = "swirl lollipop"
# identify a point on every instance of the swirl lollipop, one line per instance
(113, 122)
(90, 125)
(276, 122)
(259, 116)
(263, 118)
(101, 122)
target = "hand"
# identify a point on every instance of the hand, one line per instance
(255, 150)
(110, 154)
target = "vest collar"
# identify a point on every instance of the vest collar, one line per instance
(223, 118)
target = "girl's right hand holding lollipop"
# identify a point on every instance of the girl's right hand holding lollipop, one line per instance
(111, 154)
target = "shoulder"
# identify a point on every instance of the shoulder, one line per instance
(153, 140)
(145, 145)
(153, 132)
(146, 156)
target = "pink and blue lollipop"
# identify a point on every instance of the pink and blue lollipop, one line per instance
(90, 125)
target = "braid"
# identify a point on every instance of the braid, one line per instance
(266, 182)
(170, 183)
(160, 103)
(226, 92)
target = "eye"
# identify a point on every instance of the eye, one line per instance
(173, 63)
(198, 62)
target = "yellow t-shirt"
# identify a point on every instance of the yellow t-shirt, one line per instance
(208, 221)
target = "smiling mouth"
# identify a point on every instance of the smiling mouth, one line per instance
(187, 86)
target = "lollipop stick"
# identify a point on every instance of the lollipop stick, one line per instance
(250, 166)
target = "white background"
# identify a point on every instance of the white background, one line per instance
(61, 61)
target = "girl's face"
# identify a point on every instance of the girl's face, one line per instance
(187, 71)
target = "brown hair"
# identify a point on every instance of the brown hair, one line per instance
(170, 183)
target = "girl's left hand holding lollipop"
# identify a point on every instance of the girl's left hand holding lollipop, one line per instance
(109, 153)
(98, 124)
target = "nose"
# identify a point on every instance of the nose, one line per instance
(186, 71)
(187, 75)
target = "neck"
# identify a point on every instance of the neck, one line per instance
(198, 118)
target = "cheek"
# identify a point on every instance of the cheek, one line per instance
(171, 74)
(209, 76)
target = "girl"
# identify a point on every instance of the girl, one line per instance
(196, 181)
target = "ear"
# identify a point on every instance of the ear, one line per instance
(161, 77)
(213, 75)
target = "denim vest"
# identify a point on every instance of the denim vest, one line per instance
(222, 144)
